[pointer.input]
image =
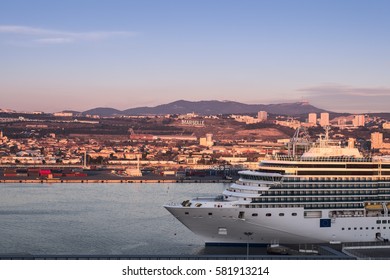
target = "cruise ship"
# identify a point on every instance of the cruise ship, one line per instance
(327, 194)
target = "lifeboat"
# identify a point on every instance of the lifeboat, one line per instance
(374, 207)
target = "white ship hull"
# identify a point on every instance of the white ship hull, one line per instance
(224, 226)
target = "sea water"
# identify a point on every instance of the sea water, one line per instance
(97, 219)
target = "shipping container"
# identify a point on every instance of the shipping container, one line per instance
(44, 172)
(168, 172)
(33, 170)
(33, 174)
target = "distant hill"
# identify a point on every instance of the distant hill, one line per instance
(103, 112)
(211, 107)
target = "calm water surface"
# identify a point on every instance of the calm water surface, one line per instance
(97, 219)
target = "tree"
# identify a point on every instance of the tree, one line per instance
(13, 149)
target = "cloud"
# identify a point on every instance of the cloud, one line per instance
(344, 98)
(346, 90)
(54, 40)
(50, 36)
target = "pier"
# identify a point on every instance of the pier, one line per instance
(112, 181)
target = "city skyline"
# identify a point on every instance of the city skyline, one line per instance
(124, 54)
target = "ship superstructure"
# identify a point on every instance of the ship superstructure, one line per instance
(328, 194)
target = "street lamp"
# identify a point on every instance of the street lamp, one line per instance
(248, 234)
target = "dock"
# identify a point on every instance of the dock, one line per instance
(110, 181)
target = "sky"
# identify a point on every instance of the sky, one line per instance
(82, 54)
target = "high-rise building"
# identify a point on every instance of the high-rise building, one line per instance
(324, 120)
(376, 140)
(358, 120)
(262, 116)
(312, 118)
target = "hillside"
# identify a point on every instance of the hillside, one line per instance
(211, 107)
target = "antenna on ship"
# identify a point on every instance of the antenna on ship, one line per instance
(301, 138)
(327, 129)
(324, 140)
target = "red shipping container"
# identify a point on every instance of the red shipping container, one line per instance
(44, 172)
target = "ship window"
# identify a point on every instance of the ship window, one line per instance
(241, 215)
(378, 221)
(354, 228)
(384, 221)
(186, 213)
(366, 227)
(293, 214)
(349, 228)
(210, 214)
(268, 214)
(361, 228)
(281, 214)
(378, 227)
(342, 228)
(255, 214)
(384, 227)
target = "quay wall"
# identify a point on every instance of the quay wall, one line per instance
(111, 181)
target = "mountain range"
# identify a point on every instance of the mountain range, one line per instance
(212, 107)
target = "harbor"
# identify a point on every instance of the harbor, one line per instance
(113, 181)
(111, 221)
(78, 175)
